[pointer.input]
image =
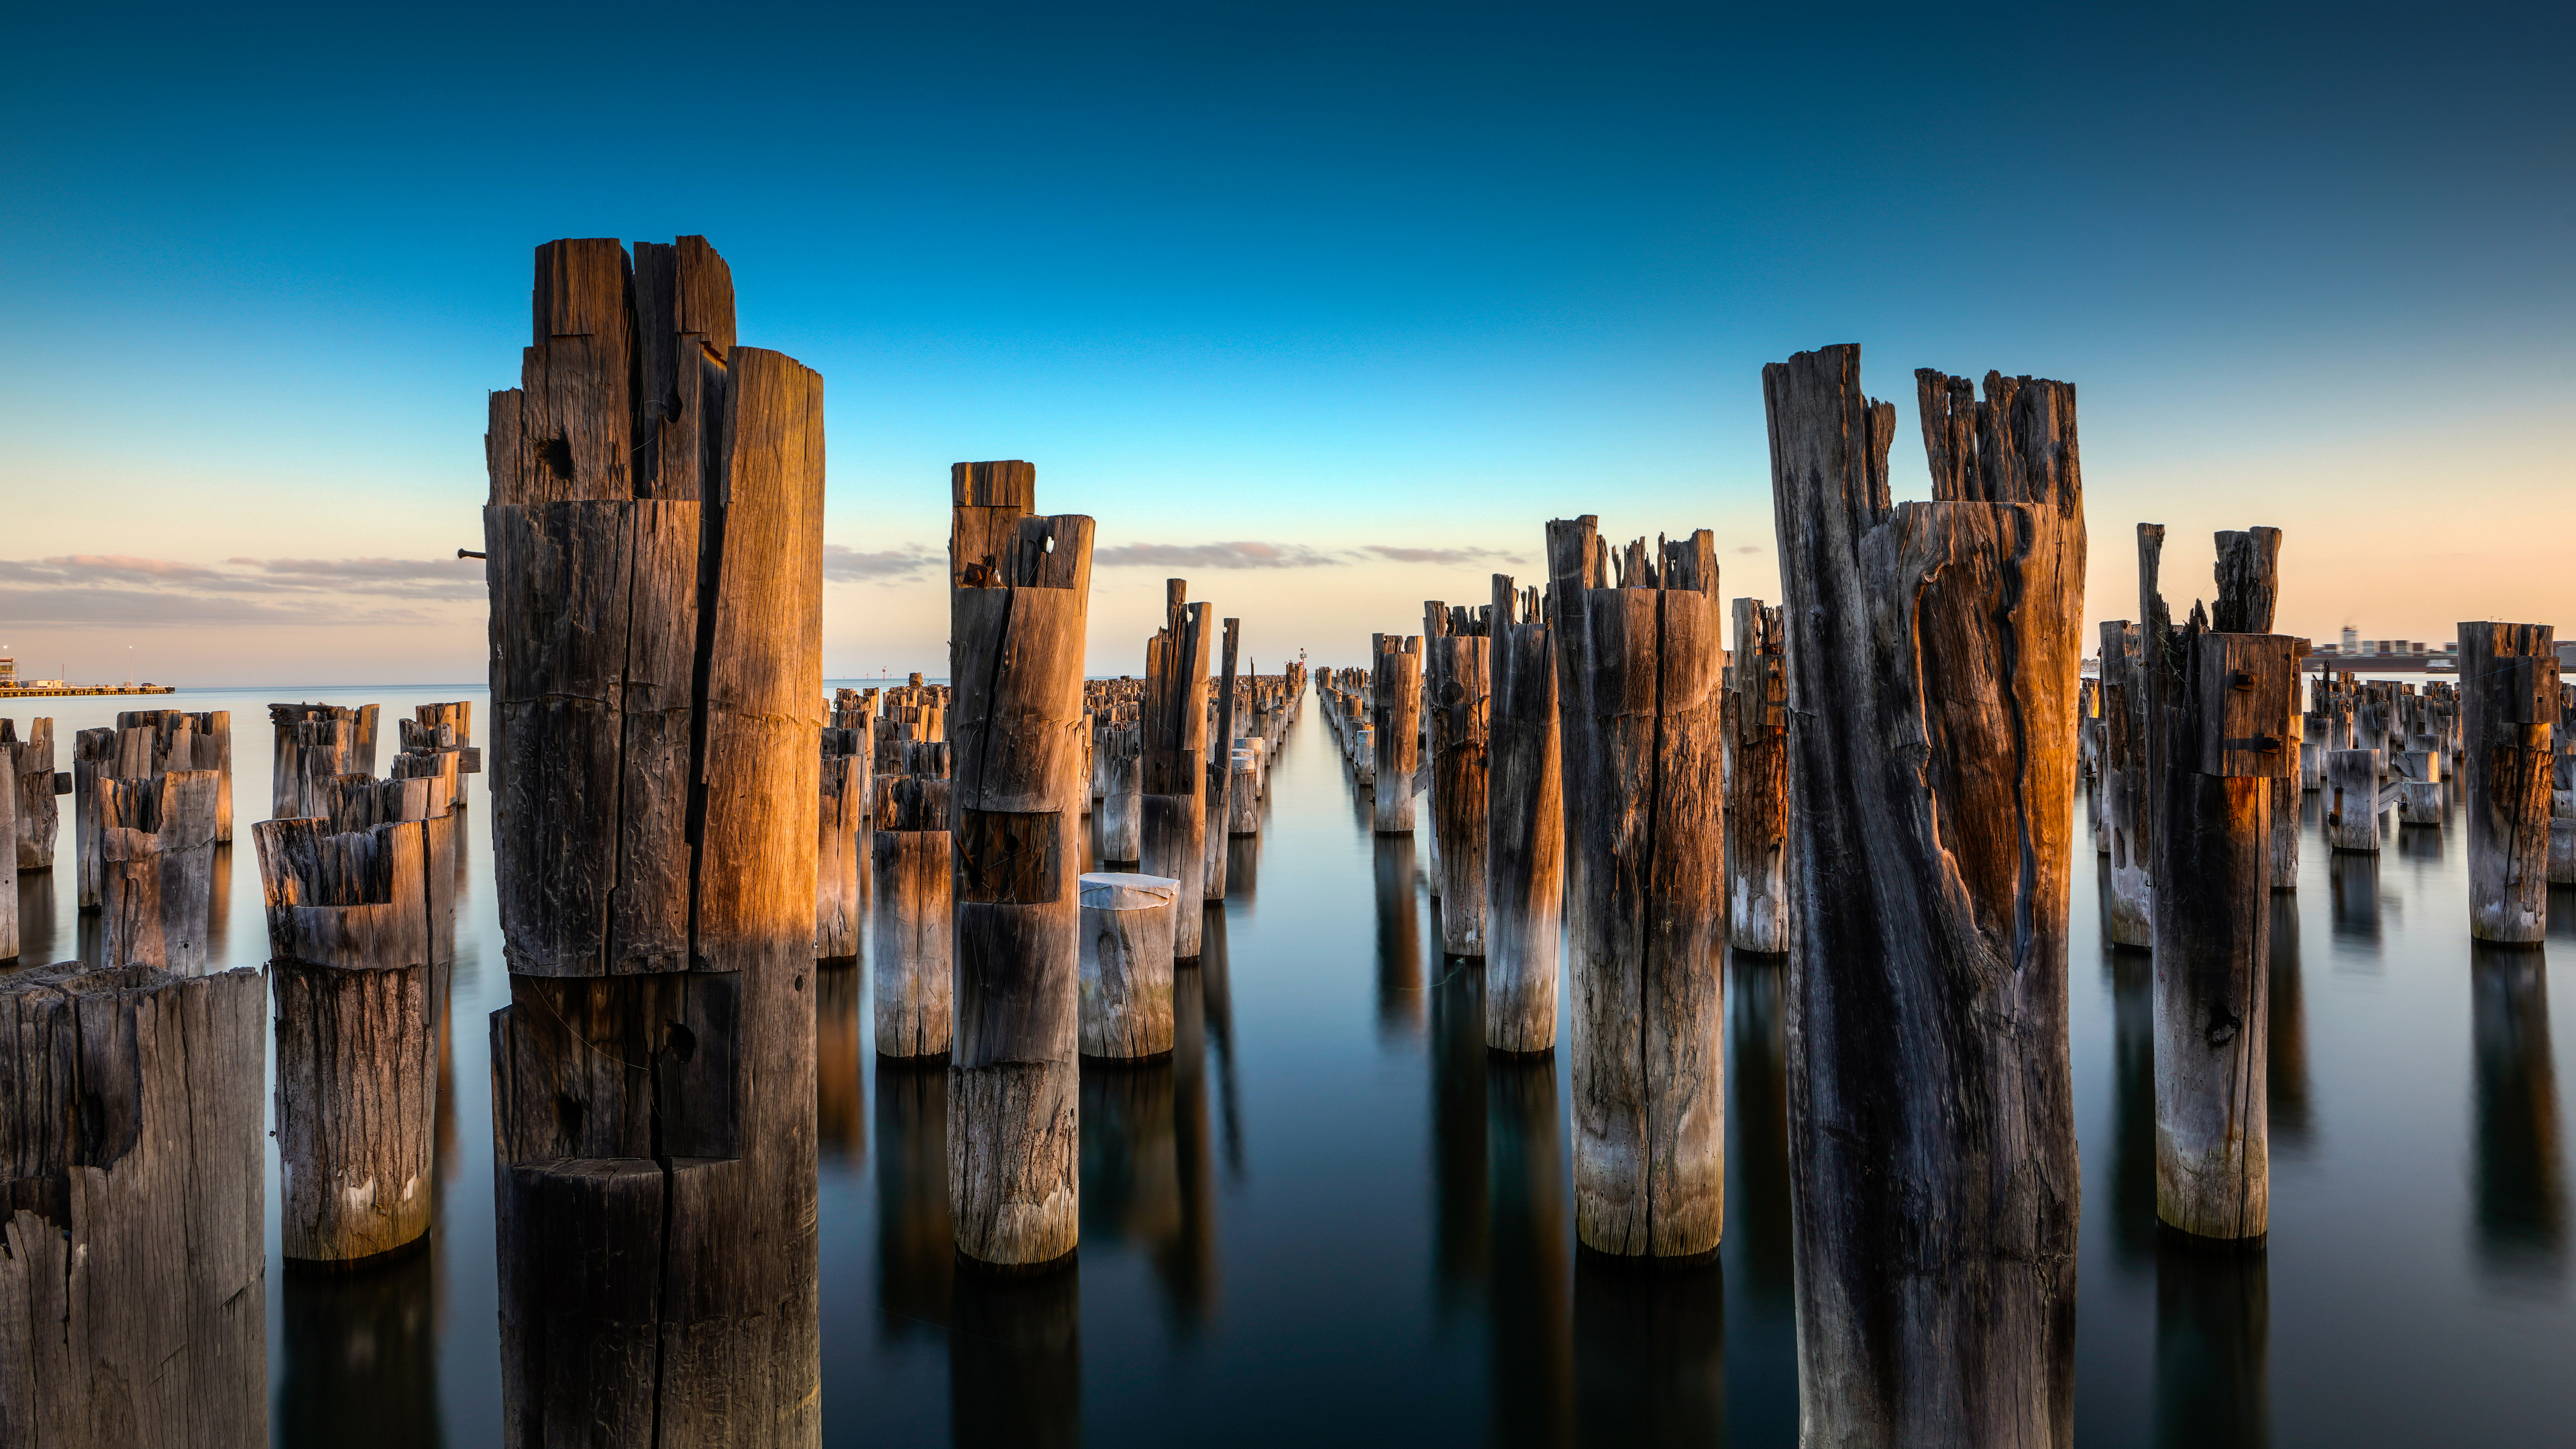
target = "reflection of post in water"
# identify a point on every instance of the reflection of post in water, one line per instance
(1188, 1262)
(2521, 1187)
(2133, 1109)
(1242, 858)
(1649, 1353)
(2420, 842)
(361, 1354)
(1131, 1188)
(916, 1240)
(2213, 1343)
(1757, 1105)
(2353, 879)
(840, 1108)
(36, 919)
(1458, 1135)
(2292, 1112)
(1530, 1281)
(219, 878)
(1015, 1358)
(1399, 939)
(1216, 983)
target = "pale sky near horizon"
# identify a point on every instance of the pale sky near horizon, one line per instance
(1326, 308)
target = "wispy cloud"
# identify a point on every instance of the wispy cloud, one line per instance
(123, 590)
(843, 564)
(410, 578)
(1442, 556)
(1242, 554)
(1749, 548)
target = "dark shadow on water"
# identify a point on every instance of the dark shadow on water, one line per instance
(2520, 1186)
(1757, 1129)
(1460, 1241)
(1187, 1264)
(1015, 1359)
(361, 1354)
(1216, 1011)
(1530, 1280)
(37, 943)
(916, 1240)
(1649, 1354)
(2293, 1112)
(840, 1107)
(1242, 870)
(1399, 940)
(2352, 881)
(2420, 842)
(2213, 1344)
(2132, 1219)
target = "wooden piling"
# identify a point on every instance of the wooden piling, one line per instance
(1933, 783)
(1172, 823)
(1457, 674)
(156, 869)
(1013, 1092)
(1127, 966)
(1524, 827)
(1756, 732)
(1646, 899)
(2351, 813)
(841, 809)
(2510, 704)
(2130, 822)
(1217, 817)
(30, 763)
(1395, 724)
(1122, 800)
(914, 926)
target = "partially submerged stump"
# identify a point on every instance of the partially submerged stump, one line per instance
(841, 809)
(1524, 827)
(1645, 897)
(915, 921)
(1456, 682)
(1756, 731)
(1173, 823)
(2510, 705)
(156, 869)
(1216, 820)
(1395, 725)
(1932, 652)
(2127, 818)
(30, 774)
(2350, 819)
(1122, 800)
(1127, 966)
(133, 1307)
(295, 764)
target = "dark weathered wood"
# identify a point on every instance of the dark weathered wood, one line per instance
(1218, 817)
(2130, 823)
(132, 1303)
(2288, 791)
(30, 764)
(1122, 803)
(9, 934)
(915, 920)
(839, 895)
(1395, 730)
(1646, 905)
(1172, 819)
(156, 839)
(2509, 713)
(1756, 732)
(2218, 702)
(1127, 966)
(1457, 674)
(1524, 828)
(2562, 793)
(2350, 817)
(1013, 1168)
(1932, 651)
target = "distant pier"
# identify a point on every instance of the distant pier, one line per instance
(38, 691)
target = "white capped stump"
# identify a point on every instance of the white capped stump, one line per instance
(2351, 813)
(133, 1303)
(1646, 895)
(1932, 652)
(1127, 965)
(914, 926)
(2510, 704)
(1756, 732)
(1524, 827)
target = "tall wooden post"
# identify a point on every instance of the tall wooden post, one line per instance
(2288, 793)
(914, 925)
(156, 837)
(1220, 776)
(1757, 784)
(1932, 656)
(30, 763)
(1524, 827)
(2218, 703)
(2562, 792)
(1172, 825)
(1456, 679)
(1395, 724)
(2130, 821)
(1013, 1089)
(655, 562)
(1646, 900)
(2509, 688)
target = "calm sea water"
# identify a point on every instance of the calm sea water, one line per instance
(1332, 1218)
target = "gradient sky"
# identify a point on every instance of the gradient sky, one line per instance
(1325, 307)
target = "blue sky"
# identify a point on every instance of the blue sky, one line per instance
(1378, 289)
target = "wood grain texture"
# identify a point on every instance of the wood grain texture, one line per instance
(1756, 730)
(31, 775)
(1932, 652)
(2127, 820)
(1218, 817)
(156, 840)
(1457, 683)
(1524, 828)
(1127, 965)
(1395, 731)
(1172, 818)
(2509, 690)
(133, 1306)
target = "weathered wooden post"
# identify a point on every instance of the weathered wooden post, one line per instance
(295, 764)
(2217, 703)
(9, 932)
(1013, 1086)
(2562, 794)
(2509, 685)
(655, 562)
(1395, 724)
(133, 1308)
(842, 806)
(2288, 797)
(188, 741)
(1172, 723)
(156, 868)
(1127, 966)
(2351, 815)
(1218, 814)
(1457, 674)
(30, 765)
(1932, 653)
(1756, 732)
(914, 926)
(1122, 800)
(353, 963)
(1524, 827)
(1646, 898)
(2125, 808)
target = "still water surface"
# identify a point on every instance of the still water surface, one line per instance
(1332, 1218)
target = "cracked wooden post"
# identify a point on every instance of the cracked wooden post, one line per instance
(2350, 818)
(1524, 827)
(1457, 674)
(1395, 724)
(1932, 652)
(133, 1306)
(2218, 692)
(1217, 817)
(1646, 898)
(156, 869)
(1127, 966)
(840, 813)
(1013, 1162)
(185, 740)
(2509, 707)
(655, 562)
(294, 764)
(30, 765)
(1757, 784)
(2562, 793)
(2130, 823)
(9, 933)
(2290, 792)
(1122, 799)
(914, 926)
(1172, 822)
